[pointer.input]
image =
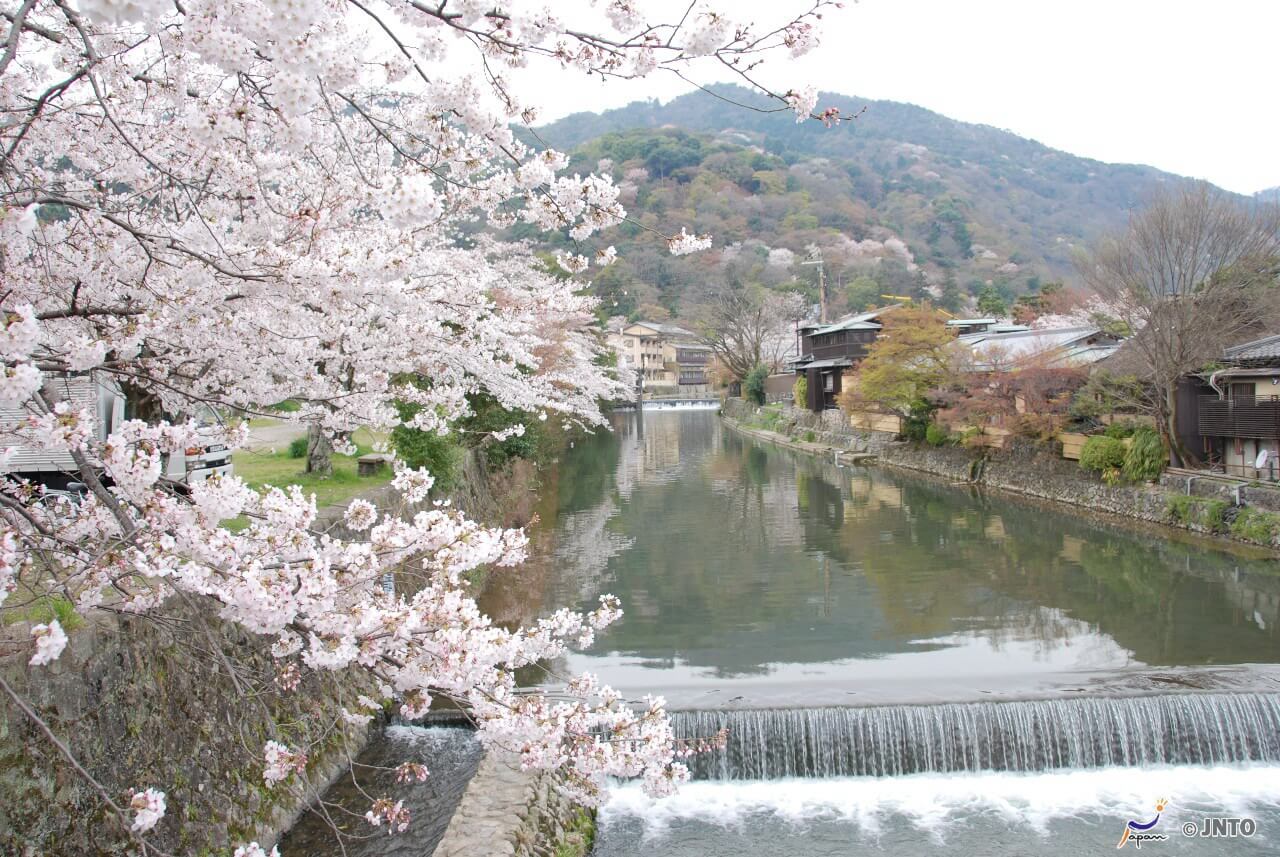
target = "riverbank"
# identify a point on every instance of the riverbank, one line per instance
(185, 705)
(1031, 470)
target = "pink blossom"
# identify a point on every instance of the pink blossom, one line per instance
(148, 808)
(50, 641)
(281, 762)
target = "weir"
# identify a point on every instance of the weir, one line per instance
(1027, 735)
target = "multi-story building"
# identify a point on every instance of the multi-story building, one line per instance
(828, 350)
(670, 359)
(1237, 410)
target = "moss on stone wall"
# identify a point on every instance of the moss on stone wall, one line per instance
(148, 704)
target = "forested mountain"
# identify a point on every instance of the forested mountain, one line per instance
(901, 201)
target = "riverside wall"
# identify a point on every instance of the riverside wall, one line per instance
(1220, 508)
(507, 812)
(185, 704)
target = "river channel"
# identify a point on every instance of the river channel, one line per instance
(906, 666)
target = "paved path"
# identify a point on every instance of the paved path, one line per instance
(276, 436)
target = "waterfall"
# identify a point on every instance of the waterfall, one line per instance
(1030, 735)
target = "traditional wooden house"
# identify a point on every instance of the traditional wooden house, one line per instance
(827, 350)
(1238, 417)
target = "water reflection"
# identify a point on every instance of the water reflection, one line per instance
(739, 564)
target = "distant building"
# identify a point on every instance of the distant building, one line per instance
(1010, 346)
(963, 326)
(670, 359)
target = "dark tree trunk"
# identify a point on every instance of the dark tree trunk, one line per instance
(1178, 452)
(319, 451)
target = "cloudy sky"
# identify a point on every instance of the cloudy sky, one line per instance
(1189, 87)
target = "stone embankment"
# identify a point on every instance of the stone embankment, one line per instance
(184, 704)
(1223, 508)
(507, 812)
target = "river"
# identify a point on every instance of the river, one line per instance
(1009, 653)
(905, 666)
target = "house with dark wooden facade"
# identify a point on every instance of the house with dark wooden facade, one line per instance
(827, 350)
(1237, 410)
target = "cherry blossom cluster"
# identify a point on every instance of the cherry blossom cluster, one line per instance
(236, 203)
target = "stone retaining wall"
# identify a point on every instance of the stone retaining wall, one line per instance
(507, 812)
(1025, 467)
(149, 704)
(1258, 495)
(144, 704)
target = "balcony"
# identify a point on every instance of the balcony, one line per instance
(1240, 416)
(855, 351)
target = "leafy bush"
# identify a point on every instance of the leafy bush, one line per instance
(1101, 453)
(1146, 457)
(298, 447)
(916, 425)
(810, 437)
(439, 454)
(1121, 429)
(936, 435)
(800, 392)
(1256, 525)
(488, 416)
(753, 385)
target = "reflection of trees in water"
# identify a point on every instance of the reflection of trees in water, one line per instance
(1167, 602)
(733, 556)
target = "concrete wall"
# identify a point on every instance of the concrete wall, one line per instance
(507, 812)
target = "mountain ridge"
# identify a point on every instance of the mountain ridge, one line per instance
(976, 208)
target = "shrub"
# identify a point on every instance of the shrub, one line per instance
(439, 454)
(1256, 525)
(800, 392)
(753, 385)
(936, 435)
(298, 447)
(1120, 429)
(810, 437)
(1101, 453)
(916, 425)
(489, 416)
(1146, 456)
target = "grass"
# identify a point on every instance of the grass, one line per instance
(44, 610)
(1256, 525)
(579, 835)
(265, 469)
(768, 418)
(1206, 513)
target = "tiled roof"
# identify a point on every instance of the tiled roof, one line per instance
(1259, 349)
(859, 321)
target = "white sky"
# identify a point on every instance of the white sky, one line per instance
(1189, 87)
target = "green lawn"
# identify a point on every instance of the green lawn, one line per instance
(261, 469)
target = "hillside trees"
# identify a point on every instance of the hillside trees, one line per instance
(244, 207)
(1194, 272)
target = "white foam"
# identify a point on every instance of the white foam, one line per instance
(934, 802)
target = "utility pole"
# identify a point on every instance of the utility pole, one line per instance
(822, 281)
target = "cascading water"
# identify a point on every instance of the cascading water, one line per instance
(1032, 735)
